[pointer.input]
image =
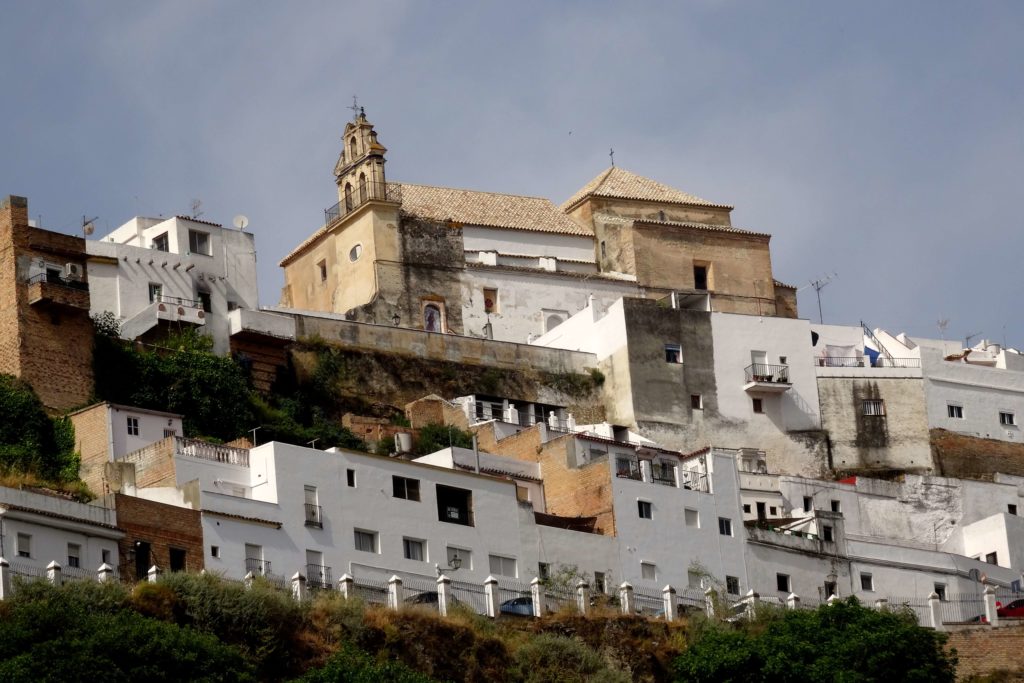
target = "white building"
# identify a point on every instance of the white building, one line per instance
(153, 271)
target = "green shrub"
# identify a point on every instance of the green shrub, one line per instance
(29, 440)
(351, 665)
(549, 658)
(434, 437)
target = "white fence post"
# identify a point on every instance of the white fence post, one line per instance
(491, 596)
(793, 601)
(153, 574)
(582, 596)
(934, 613)
(248, 579)
(710, 595)
(538, 595)
(347, 586)
(444, 587)
(882, 604)
(626, 600)
(751, 601)
(5, 579)
(832, 599)
(395, 595)
(53, 573)
(105, 574)
(668, 600)
(299, 586)
(990, 606)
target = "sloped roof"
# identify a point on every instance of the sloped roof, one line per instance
(618, 183)
(704, 226)
(488, 209)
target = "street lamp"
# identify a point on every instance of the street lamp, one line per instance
(395, 319)
(453, 565)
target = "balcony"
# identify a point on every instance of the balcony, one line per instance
(318, 577)
(314, 516)
(194, 448)
(381, 192)
(52, 290)
(863, 366)
(763, 378)
(257, 567)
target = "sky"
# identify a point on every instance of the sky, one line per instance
(880, 144)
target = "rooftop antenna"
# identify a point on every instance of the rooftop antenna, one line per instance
(89, 225)
(819, 285)
(197, 208)
(240, 221)
(968, 338)
(355, 108)
(942, 324)
(611, 153)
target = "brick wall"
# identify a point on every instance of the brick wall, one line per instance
(163, 527)
(984, 651)
(154, 464)
(971, 457)
(49, 346)
(92, 441)
(435, 410)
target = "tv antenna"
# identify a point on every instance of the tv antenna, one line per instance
(89, 225)
(240, 221)
(819, 285)
(942, 324)
(968, 338)
(197, 208)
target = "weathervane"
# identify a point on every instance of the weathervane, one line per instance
(611, 153)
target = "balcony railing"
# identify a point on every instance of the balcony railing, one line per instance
(194, 448)
(763, 372)
(257, 567)
(318, 577)
(859, 362)
(176, 301)
(357, 196)
(628, 469)
(664, 475)
(314, 516)
(51, 279)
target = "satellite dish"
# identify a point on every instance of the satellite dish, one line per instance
(240, 221)
(88, 225)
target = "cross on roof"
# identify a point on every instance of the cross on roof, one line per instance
(355, 107)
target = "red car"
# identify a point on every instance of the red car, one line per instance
(1012, 609)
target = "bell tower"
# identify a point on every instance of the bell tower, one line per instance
(359, 172)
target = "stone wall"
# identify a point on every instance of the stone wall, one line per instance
(163, 527)
(971, 457)
(92, 441)
(154, 464)
(986, 651)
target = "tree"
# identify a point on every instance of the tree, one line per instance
(434, 437)
(840, 642)
(29, 440)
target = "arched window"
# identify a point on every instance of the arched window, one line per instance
(362, 188)
(552, 322)
(432, 318)
(352, 149)
(355, 252)
(348, 196)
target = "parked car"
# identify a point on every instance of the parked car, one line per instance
(522, 606)
(429, 598)
(1011, 609)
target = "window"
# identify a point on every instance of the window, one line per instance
(692, 518)
(553, 319)
(773, 510)
(1007, 419)
(464, 556)
(757, 404)
(355, 252)
(366, 541)
(599, 582)
(649, 571)
(74, 555)
(24, 545)
(700, 276)
(992, 558)
(628, 468)
(836, 507)
(142, 558)
(215, 551)
(874, 407)
(133, 426)
(544, 570)
(204, 300)
(696, 402)
(954, 411)
(405, 488)
(105, 556)
(1011, 508)
(199, 242)
(725, 526)
(673, 353)
(604, 250)
(454, 505)
(503, 566)
(321, 267)
(177, 558)
(746, 508)
(826, 533)
(808, 503)
(433, 320)
(314, 518)
(160, 242)
(732, 585)
(867, 582)
(414, 549)
(644, 508)
(156, 291)
(362, 188)
(692, 579)
(232, 305)
(350, 475)
(490, 300)
(348, 195)
(782, 583)
(940, 590)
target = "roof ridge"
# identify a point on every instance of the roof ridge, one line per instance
(465, 189)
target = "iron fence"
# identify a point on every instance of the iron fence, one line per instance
(915, 605)
(648, 601)
(764, 372)
(52, 279)
(370, 590)
(314, 516)
(961, 608)
(318, 577)
(469, 595)
(354, 197)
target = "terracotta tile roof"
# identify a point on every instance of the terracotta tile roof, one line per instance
(488, 209)
(705, 226)
(197, 220)
(618, 183)
(783, 284)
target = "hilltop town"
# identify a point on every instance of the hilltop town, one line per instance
(505, 402)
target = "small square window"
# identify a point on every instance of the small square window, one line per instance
(732, 585)
(1011, 508)
(954, 411)
(215, 551)
(826, 533)
(1007, 419)
(773, 510)
(156, 292)
(725, 526)
(808, 503)
(366, 541)
(836, 506)
(696, 402)
(350, 475)
(649, 571)
(940, 590)
(24, 545)
(746, 508)
(757, 404)
(782, 583)
(673, 353)
(503, 566)
(105, 556)
(199, 242)
(543, 570)
(74, 555)
(600, 585)
(414, 549)
(873, 407)
(992, 558)
(133, 426)
(700, 277)
(644, 508)
(205, 302)
(406, 488)
(321, 267)
(867, 582)
(160, 242)
(692, 518)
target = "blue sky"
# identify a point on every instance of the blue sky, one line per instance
(880, 141)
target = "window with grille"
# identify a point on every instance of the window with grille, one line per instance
(874, 407)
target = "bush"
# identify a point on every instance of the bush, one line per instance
(351, 665)
(29, 440)
(547, 658)
(434, 437)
